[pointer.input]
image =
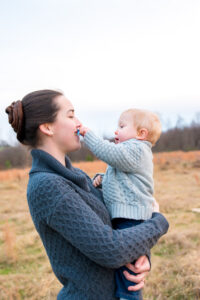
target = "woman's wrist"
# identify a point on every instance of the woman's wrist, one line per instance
(162, 221)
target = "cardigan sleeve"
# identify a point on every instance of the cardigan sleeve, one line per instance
(74, 219)
(124, 156)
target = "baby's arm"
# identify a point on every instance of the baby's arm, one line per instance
(121, 156)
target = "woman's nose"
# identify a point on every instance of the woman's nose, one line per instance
(78, 123)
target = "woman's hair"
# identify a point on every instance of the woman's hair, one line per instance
(27, 114)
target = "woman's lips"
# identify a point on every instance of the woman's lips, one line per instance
(77, 132)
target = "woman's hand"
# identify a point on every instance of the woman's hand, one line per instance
(141, 266)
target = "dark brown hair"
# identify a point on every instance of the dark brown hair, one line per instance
(35, 109)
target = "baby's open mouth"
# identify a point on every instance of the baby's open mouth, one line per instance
(116, 140)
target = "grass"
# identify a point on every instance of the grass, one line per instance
(25, 272)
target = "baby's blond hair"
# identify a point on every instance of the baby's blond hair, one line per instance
(146, 119)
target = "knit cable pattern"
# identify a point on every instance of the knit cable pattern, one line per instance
(75, 229)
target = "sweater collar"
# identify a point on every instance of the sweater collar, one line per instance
(149, 144)
(44, 162)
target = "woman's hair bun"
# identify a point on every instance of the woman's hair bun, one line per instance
(26, 115)
(15, 118)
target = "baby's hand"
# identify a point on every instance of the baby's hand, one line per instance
(83, 130)
(97, 181)
(156, 207)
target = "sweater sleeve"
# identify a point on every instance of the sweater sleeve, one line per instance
(75, 220)
(122, 156)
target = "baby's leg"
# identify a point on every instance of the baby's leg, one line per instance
(122, 283)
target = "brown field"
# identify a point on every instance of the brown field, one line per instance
(25, 272)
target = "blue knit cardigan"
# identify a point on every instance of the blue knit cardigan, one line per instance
(75, 228)
(128, 181)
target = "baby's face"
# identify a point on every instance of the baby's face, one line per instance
(126, 129)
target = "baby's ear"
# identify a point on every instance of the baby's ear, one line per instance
(142, 134)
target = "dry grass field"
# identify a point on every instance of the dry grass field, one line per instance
(25, 272)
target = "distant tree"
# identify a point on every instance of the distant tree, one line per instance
(15, 157)
(3, 143)
(181, 137)
(180, 123)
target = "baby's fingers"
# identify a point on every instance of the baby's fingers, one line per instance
(95, 183)
(99, 180)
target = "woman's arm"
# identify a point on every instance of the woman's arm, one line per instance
(141, 267)
(81, 226)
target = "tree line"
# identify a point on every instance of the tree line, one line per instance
(181, 137)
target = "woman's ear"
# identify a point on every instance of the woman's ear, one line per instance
(142, 134)
(46, 129)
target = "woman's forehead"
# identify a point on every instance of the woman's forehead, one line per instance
(64, 103)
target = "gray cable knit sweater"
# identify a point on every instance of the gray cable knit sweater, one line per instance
(76, 231)
(128, 182)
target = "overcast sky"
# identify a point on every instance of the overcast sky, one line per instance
(105, 55)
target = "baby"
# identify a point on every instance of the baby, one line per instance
(127, 185)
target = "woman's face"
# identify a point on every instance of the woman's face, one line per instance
(65, 127)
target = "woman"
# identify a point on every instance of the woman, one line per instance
(68, 212)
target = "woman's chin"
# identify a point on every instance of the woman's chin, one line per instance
(79, 146)
(76, 147)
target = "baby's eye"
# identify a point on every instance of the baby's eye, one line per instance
(71, 117)
(121, 126)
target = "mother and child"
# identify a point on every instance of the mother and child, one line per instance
(98, 240)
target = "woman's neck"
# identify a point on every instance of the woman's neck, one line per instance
(56, 153)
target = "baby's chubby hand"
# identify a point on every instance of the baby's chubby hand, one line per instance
(83, 130)
(97, 181)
